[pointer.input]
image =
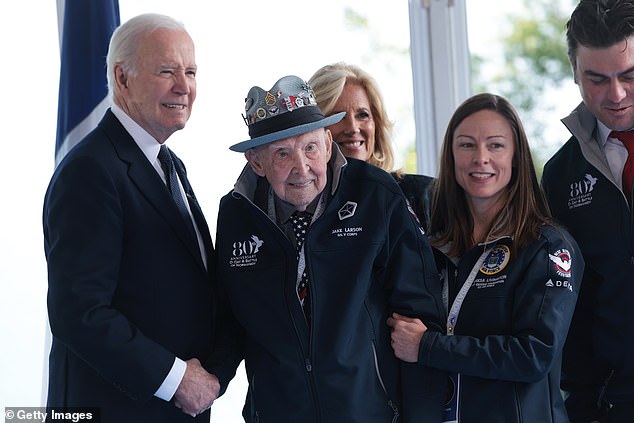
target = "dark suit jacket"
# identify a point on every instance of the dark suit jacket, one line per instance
(127, 287)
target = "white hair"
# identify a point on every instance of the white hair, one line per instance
(124, 43)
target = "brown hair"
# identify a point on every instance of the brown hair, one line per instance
(599, 24)
(524, 208)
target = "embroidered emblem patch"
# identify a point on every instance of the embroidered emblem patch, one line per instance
(347, 210)
(244, 253)
(562, 262)
(496, 261)
(581, 192)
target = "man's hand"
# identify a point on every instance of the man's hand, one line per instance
(406, 335)
(198, 389)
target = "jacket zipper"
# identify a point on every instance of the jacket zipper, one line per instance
(602, 402)
(390, 403)
(308, 365)
(307, 361)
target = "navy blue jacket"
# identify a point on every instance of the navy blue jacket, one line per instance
(511, 328)
(583, 195)
(362, 267)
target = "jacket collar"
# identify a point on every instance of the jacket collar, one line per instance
(583, 126)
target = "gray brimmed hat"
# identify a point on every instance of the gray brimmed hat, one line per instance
(286, 110)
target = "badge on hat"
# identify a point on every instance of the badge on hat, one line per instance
(288, 109)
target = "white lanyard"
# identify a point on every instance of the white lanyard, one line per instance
(452, 317)
(451, 409)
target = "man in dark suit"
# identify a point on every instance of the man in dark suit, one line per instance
(130, 297)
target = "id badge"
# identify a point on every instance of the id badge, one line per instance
(452, 399)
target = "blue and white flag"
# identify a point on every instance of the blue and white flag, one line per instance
(85, 27)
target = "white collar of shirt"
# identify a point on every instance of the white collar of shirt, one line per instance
(146, 142)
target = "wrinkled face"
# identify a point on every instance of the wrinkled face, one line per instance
(354, 133)
(160, 92)
(483, 147)
(296, 167)
(605, 77)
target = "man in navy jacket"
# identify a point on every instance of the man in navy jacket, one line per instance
(320, 354)
(587, 193)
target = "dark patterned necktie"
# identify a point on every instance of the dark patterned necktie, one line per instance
(173, 187)
(300, 222)
(627, 138)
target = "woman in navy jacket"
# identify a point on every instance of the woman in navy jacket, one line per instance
(510, 276)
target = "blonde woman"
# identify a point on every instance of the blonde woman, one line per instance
(366, 131)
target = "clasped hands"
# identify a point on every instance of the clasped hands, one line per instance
(406, 335)
(198, 389)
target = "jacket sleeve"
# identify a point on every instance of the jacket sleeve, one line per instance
(229, 343)
(228, 349)
(229, 340)
(410, 274)
(582, 374)
(413, 284)
(581, 377)
(543, 306)
(83, 230)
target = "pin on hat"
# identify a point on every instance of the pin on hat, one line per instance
(288, 109)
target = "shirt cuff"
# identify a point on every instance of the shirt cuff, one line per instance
(169, 386)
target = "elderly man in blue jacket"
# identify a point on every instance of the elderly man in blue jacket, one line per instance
(314, 252)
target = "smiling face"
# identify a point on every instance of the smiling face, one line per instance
(296, 167)
(483, 146)
(355, 134)
(605, 77)
(158, 93)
